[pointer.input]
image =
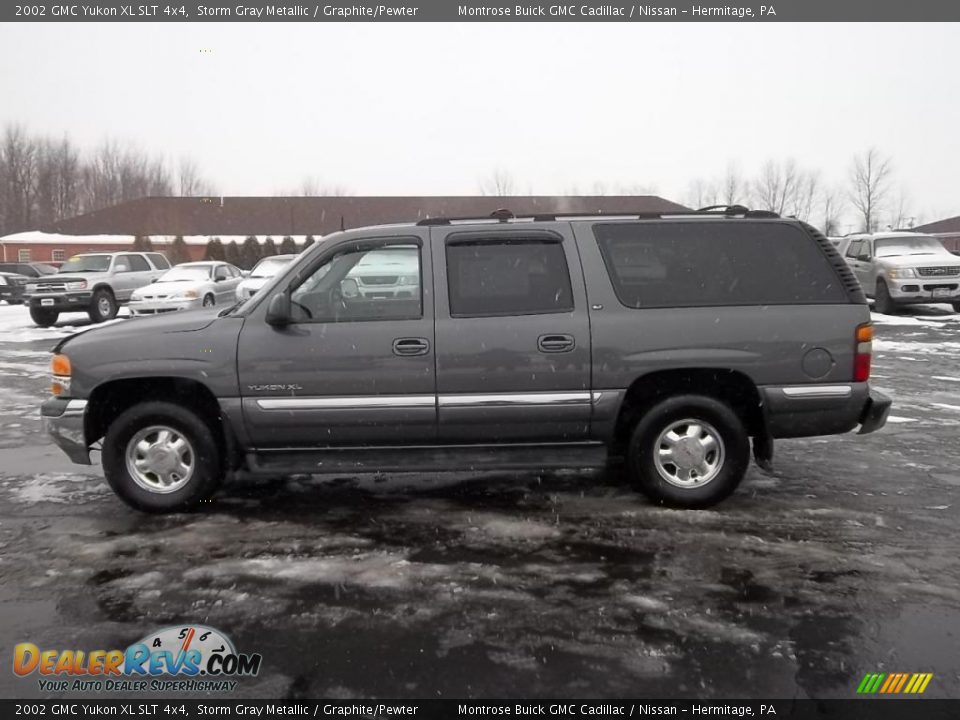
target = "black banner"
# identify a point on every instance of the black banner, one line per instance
(478, 11)
(876, 709)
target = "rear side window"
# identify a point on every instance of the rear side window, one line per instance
(507, 276)
(853, 249)
(690, 264)
(137, 263)
(159, 261)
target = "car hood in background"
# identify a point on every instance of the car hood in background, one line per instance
(905, 261)
(171, 288)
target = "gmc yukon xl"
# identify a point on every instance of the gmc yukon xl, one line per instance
(672, 341)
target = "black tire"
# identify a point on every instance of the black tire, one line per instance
(204, 452)
(732, 456)
(882, 302)
(209, 301)
(103, 306)
(44, 318)
(956, 307)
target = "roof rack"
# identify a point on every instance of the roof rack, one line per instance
(503, 215)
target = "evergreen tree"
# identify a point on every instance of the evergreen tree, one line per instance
(269, 247)
(288, 246)
(307, 243)
(178, 252)
(249, 252)
(232, 254)
(138, 244)
(215, 250)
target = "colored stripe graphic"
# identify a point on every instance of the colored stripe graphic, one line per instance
(894, 683)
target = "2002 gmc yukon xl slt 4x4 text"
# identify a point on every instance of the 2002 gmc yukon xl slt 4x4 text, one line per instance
(540, 342)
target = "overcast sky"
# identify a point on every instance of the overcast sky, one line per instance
(432, 108)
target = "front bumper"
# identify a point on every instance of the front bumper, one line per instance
(63, 302)
(12, 293)
(63, 421)
(925, 290)
(153, 307)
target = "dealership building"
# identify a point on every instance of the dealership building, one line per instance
(198, 220)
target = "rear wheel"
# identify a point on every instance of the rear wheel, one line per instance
(882, 302)
(161, 457)
(103, 306)
(689, 451)
(956, 307)
(44, 318)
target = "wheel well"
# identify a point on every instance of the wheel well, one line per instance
(107, 401)
(103, 286)
(729, 386)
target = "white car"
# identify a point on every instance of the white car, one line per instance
(186, 286)
(261, 273)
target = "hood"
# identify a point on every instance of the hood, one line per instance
(117, 330)
(170, 288)
(911, 261)
(67, 277)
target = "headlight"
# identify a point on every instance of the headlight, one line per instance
(31, 287)
(186, 295)
(136, 295)
(407, 280)
(901, 273)
(3, 280)
(77, 285)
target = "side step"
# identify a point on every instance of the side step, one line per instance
(433, 458)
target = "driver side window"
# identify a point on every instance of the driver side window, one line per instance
(380, 283)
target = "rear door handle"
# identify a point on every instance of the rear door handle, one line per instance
(556, 343)
(411, 346)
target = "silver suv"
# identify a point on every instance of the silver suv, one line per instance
(95, 283)
(901, 268)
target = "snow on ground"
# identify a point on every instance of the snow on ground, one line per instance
(17, 327)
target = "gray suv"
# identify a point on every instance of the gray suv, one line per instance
(903, 268)
(539, 342)
(95, 283)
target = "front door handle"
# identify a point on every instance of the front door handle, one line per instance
(411, 346)
(556, 343)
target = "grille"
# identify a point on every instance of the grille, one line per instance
(51, 287)
(379, 280)
(941, 271)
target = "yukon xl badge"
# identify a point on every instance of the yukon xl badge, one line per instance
(274, 388)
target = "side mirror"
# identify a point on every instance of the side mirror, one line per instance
(220, 278)
(278, 311)
(245, 273)
(153, 280)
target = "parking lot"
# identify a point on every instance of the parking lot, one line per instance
(842, 562)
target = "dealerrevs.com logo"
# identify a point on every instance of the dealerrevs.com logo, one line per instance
(186, 658)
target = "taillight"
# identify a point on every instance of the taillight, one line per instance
(864, 352)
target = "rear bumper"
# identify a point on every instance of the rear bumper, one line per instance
(831, 409)
(63, 421)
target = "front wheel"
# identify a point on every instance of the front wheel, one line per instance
(956, 307)
(103, 306)
(689, 451)
(209, 301)
(882, 302)
(161, 457)
(44, 318)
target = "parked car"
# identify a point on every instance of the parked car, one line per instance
(267, 268)
(11, 287)
(30, 270)
(97, 283)
(671, 341)
(903, 268)
(186, 286)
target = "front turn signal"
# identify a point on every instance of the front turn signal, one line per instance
(60, 365)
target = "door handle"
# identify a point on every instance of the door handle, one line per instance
(411, 346)
(556, 343)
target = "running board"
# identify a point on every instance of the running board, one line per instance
(435, 458)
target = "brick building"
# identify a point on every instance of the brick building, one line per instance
(236, 218)
(947, 230)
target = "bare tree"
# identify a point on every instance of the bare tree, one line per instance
(499, 184)
(18, 158)
(734, 189)
(870, 180)
(901, 215)
(831, 210)
(702, 193)
(191, 183)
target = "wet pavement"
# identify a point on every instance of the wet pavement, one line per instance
(843, 562)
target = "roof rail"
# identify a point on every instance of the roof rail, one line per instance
(504, 215)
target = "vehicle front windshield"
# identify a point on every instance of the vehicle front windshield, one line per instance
(891, 247)
(269, 267)
(86, 263)
(186, 272)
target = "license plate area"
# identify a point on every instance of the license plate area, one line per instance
(47, 301)
(941, 292)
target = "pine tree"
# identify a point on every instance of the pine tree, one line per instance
(232, 254)
(288, 246)
(215, 250)
(249, 252)
(269, 248)
(179, 252)
(307, 243)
